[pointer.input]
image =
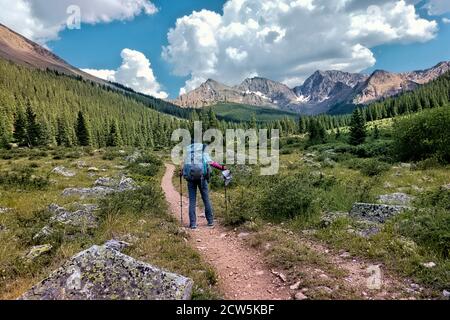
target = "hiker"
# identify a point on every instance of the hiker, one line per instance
(197, 171)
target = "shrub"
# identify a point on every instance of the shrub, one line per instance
(148, 199)
(373, 167)
(426, 164)
(242, 207)
(23, 178)
(368, 167)
(424, 135)
(288, 197)
(429, 228)
(436, 198)
(146, 165)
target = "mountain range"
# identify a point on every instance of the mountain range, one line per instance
(320, 93)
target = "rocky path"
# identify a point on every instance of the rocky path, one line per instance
(242, 275)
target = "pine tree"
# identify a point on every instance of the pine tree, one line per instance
(317, 133)
(82, 131)
(33, 131)
(114, 139)
(338, 133)
(376, 132)
(20, 129)
(357, 128)
(62, 134)
(4, 133)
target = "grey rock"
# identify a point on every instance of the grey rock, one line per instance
(102, 273)
(133, 157)
(375, 212)
(80, 218)
(324, 290)
(446, 186)
(45, 232)
(102, 187)
(429, 265)
(105, 182)
(63, 172)
(446, 294)
(329, 217)
(117, 245)
(4, 210)
(243, 235)
(397, 198)
(126, 184)
(300, 296)
(80, 164)
(38, 251)
(295, 286)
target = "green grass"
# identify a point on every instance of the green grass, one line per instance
(241, 112)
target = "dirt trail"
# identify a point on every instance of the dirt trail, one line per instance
(242, 275)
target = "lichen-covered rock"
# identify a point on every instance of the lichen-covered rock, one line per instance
(133, 157)
(63, 172)
(102, 273)
(102, 187)
(126, 184)
(106, 182)
(88, 192)
(37, 251)
(117, 245)
(80, 218)
(45, 232)
(375, 212)
(395, 198)
(80, 164)
(329, 217)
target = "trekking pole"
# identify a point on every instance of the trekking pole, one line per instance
(181, 200)
(226, 200)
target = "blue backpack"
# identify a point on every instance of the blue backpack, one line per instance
(195, 166)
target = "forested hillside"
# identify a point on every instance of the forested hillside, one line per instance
(56, 102)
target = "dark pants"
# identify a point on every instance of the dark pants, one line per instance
(203, 187)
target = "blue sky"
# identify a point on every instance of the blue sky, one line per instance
(99, 45)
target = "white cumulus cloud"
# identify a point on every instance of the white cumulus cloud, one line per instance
(42, 20)
(446, 20)
(287, 40)
(135, 72)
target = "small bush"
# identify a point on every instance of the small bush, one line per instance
(23, 178)
(439, 198)
(288, 197)
(148, 199)
(429, 163)
(429, 228)
(368, 167)
(374, 167)
(242, 207)
(146, 165)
